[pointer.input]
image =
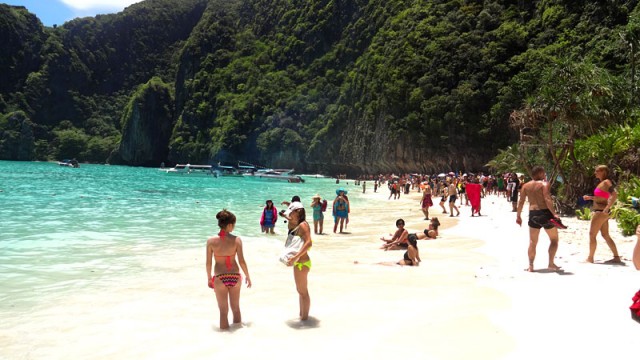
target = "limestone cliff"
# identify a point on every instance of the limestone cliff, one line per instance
(147, 124)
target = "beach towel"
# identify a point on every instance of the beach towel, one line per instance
(292, 246)
(473, 193)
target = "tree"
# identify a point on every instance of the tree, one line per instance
(575, 100)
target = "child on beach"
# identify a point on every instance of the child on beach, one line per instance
(269, 217)
(318, 207)
(226, 281)
(443, 199)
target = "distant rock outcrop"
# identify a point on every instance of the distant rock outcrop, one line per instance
(147, 124)
(16, 137)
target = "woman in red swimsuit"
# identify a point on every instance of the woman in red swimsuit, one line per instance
(227, 279)
(604, 196)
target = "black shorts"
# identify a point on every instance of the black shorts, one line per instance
(540, 219)
(453, 198)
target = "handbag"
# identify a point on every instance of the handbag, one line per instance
(292, 246)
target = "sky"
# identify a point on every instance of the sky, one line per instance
(58, 12)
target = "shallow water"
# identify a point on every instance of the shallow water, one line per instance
(61, 226)
(107, 262)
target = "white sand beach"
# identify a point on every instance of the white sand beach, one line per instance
(468, 299)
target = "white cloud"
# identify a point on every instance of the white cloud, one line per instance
(86, 5)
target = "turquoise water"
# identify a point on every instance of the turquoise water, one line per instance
(65, 228)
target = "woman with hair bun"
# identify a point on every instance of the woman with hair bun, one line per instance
(226, 281)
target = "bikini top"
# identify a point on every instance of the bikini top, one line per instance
(601, 193)
(227, 260)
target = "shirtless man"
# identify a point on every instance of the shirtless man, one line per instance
(452, 190)
(540, 212)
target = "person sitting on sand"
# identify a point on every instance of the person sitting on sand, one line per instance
(541, 212)
(399, 239)
(411, 256)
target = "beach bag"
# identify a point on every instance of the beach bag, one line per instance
(292, 246)
(323, 207)
(635, 307)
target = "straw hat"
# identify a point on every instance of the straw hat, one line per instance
(316, 196)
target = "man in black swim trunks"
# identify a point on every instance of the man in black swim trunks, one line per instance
(540, 212)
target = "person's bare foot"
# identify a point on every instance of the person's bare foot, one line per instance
(614, 260)
(554, 267)
(590, 260)
(529, 269)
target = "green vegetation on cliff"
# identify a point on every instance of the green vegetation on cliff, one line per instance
(322, 85)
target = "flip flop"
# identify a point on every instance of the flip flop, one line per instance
(558, 223)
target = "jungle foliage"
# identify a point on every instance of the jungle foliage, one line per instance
(328, 85)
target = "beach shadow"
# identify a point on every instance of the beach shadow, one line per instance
(611, 263)
(344, 233)
(310, 323)
(232, 327)
(550, 271)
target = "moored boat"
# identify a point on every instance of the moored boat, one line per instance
(69, 163)
(276, 174)
(191, 170)
(222, 170)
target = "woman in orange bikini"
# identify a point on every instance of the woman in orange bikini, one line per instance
(227, 280)
(604, 196)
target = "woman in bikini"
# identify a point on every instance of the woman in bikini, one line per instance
(411, 256)
(226, 281)
(604, 196)
(301, 262)
(398, 240)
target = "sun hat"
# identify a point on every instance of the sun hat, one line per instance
(293, 206)
(316, 196)
(341, 190)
